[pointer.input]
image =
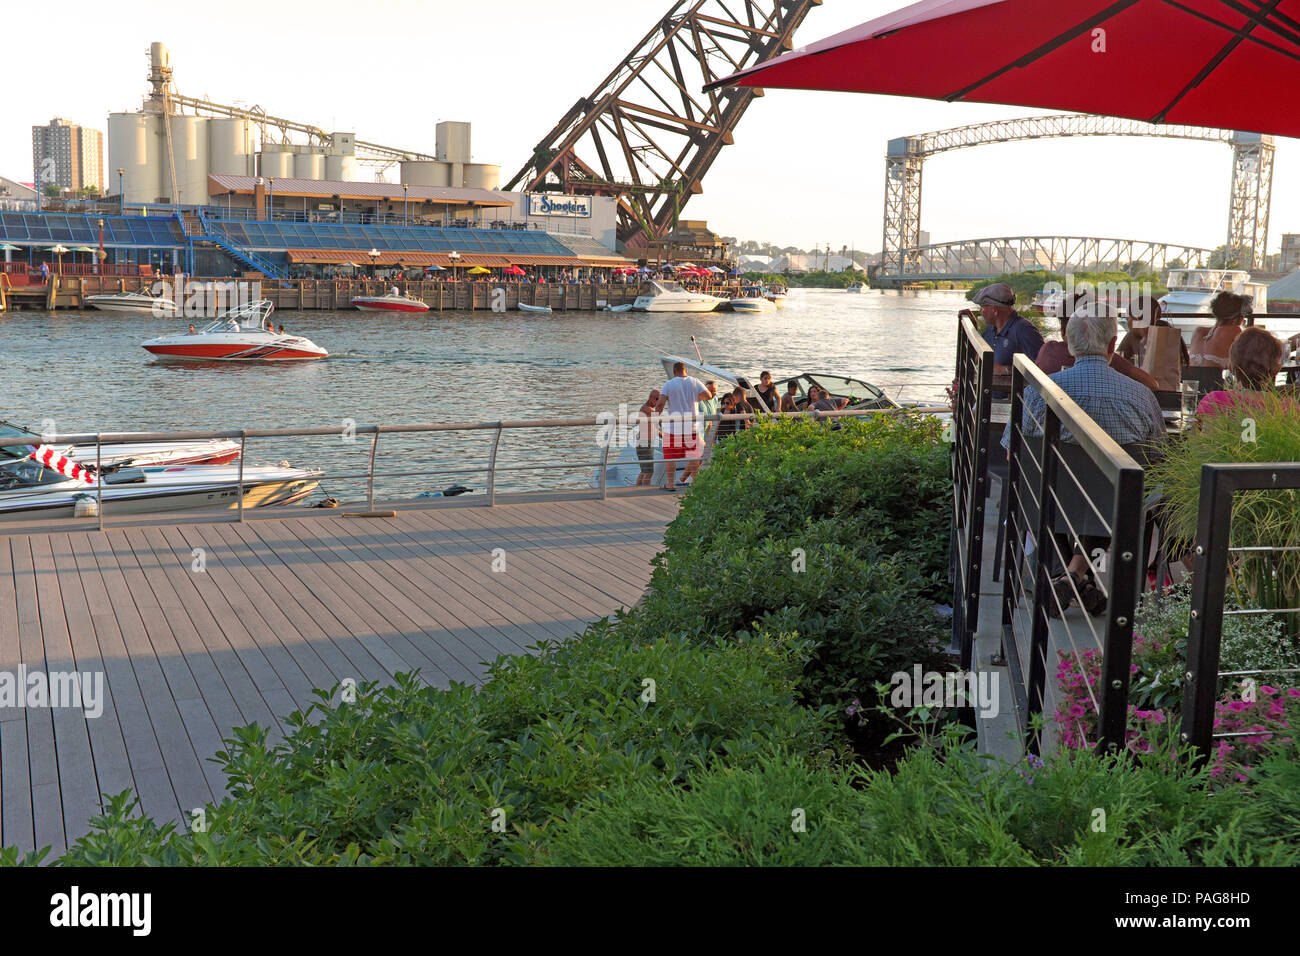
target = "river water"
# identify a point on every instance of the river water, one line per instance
(85, 371)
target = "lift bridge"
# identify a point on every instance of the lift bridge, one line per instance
(906, 260)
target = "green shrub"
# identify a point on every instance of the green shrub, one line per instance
(944, 805)
(413, 775)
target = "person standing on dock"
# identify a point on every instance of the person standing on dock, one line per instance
(645, 439)
(679, 395)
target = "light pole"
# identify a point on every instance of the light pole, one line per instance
(403, 204)
(270, 200)
(121, 195)
(374, 261)
(454, 256)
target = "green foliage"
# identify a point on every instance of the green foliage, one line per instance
(808, 280)
(838, 535)
(413, 775)
(1249, 642)
(1265, 428)
(1026, 284)
(945, 805)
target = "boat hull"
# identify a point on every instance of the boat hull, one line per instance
(160, 307)
(389, 305)
(647, 303)
(147, 501)
(752, 306)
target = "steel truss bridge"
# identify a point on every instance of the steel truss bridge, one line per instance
(647, 135)
(981, 258)
(905, 259)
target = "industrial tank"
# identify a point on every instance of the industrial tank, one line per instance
(309, 166)
(341, 168)
(190, 152)
(276, 163)
(134, 146)
(230, 148)
(426, 173)
(482, 176)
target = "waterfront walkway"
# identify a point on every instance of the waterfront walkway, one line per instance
(200, 624)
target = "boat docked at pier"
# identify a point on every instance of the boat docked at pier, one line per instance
(240, 335)
(394, 301)
(1192, 290)
(29, 486)
(211, 451)
(754, 300)
(137, 303)
(666, 295)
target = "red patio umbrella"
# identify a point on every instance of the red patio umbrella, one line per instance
(515, 271)
(1231, 64)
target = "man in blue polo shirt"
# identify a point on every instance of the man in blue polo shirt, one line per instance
(1008, 331)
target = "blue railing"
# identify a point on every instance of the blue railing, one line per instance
(251, 259)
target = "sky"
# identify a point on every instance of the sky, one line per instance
(807, 168)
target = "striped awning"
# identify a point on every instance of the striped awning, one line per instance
(467, 259)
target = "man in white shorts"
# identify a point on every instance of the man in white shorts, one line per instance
(681, 438)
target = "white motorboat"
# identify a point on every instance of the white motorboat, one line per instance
(666, 295)
(617, 308)
(29, 486)
(135, 302)
(393, 302)
(1049, 301)
(858, 287)
(753, 300)
(778, 298)
(861, 395)
(535, 308)
(212, 451)
(239, 335)
(1192, 290)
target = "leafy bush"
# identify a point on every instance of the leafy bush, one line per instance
(839, 536)
(1259, 518)
(943, 805)
(414, 775)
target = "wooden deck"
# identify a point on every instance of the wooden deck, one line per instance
(284, 604)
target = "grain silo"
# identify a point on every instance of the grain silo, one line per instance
(135, 145)
(482, 176)
(276, 162)
(426, 173)
(341, 168)
(190, 153)
(230, 148)
(309, 166)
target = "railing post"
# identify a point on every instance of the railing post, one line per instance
(978, 496)
(492, 467)
(99, 480)
(1127, 563)
(1039, 632)
(1205, 631)
(604, 466)
(370, 474)
(243, 442)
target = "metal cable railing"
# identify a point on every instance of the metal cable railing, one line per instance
(491, 467)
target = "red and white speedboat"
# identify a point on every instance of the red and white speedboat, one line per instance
(212, 451)
(393, 302)
(239, 335)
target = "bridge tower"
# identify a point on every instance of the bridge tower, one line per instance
(647, 135)
(1252, 192)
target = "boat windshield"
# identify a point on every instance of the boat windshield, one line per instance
(859, 393)
(249, 317)
(1206, 280)
(27, 474)
(666, 285)
(8, 432)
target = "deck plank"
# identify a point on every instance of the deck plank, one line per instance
(289, 601)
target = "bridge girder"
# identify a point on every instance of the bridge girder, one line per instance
(982, 258)
(646, 135)
(904, 163)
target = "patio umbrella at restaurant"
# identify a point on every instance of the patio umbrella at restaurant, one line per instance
(1230, 64)
(515, 271)
(59, 251)
(479, 271)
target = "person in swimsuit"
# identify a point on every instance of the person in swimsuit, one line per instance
(1211, 347)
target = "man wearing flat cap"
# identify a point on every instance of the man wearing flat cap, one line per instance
(1007, 332)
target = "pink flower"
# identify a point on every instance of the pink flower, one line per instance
(1076, 710)
(1237, 705)
(1269, 690)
